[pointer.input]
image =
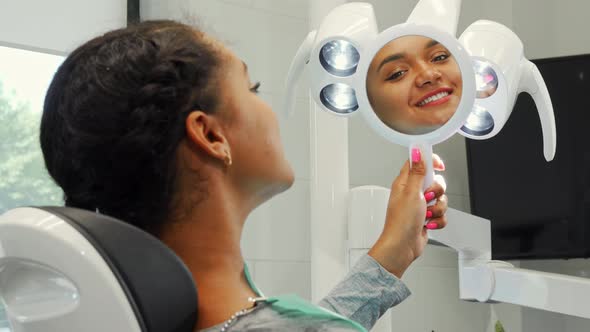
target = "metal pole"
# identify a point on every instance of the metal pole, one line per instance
(133, 14)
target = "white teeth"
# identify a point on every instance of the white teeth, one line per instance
(433, 98)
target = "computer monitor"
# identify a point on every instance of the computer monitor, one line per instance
(538, 209)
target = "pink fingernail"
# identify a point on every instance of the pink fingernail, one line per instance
(441, 164)
(416, 155)
(428, 214)
(429, 196)
(431, 225)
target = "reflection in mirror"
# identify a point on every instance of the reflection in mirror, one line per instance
(486, 80)
(414, 84)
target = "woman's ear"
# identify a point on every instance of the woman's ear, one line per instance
(206, 133)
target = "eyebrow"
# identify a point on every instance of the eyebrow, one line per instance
(391, 58)
(398, 56)
(431, 43)
(245, 67)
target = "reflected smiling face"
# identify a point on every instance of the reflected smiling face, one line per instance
(414, 84)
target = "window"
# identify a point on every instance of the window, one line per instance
(24, 79)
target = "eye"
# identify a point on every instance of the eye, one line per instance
(396, 75)
(255, 87)
(440, 57)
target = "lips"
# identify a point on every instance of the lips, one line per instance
(436, 97)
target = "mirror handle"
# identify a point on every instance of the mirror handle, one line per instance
(426, 152)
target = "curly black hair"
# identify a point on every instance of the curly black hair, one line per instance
(115, 113)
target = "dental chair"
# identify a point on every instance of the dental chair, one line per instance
(64, 269)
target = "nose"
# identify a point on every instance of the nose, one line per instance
(427, 74)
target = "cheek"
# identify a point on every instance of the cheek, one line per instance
(246, 126)
(397, 94)
(454, 75)
(382, 101)
(404, 95)
(268, 118)
(458, 80)
(393, 102)
(268, 128)
(254, 141)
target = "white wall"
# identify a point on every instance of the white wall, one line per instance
(57, 26)
(552, 28)
(266, 35)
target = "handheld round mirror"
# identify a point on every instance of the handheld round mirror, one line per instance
(416, 87)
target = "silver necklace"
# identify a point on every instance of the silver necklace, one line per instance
(242, 312)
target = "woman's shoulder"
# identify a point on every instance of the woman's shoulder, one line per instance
(264, 318)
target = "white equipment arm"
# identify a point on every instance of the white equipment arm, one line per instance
(480, 278)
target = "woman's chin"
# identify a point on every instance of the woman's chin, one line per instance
(445, 112)
(452, 108)
(284, 181)
(289, 178)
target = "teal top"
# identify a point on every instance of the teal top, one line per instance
(293, 306)
(355, 304)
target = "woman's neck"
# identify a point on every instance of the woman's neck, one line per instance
(207, 239)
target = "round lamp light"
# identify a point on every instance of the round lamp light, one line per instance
(339, 97)
(479, 122)
(339, 57)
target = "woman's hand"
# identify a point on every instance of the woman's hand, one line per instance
(404, 236)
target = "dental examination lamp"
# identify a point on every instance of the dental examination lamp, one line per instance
(341, 50)
(502, 72)
(65, 269)
(467, 85)
(332, 52)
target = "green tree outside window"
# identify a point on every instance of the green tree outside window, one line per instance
(23, 177)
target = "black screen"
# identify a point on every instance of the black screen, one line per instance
(538, 209)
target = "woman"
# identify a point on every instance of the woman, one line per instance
(414, 84)
(159, 125)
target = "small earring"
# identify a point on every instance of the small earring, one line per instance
(227, 160)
